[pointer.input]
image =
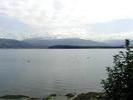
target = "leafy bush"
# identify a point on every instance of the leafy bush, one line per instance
(119, 83)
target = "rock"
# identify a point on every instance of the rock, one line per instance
(90, 96)
(13, 97)
(70, 95)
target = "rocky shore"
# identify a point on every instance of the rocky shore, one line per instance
(69, 96)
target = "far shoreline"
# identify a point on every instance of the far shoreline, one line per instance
(66, 48)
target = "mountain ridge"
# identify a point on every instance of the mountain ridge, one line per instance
(65, 41)
(11, 43)
(58, 43)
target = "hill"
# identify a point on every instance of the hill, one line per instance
(39, 42)
(10, 43)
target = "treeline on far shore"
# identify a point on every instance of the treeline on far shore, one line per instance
(65, 47)
(85, 47)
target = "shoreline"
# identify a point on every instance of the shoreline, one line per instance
(68, 96)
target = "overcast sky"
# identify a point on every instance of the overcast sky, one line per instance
(88, 19)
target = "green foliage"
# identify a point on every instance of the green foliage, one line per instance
(119, 83)
(70, 95)
(90, 96)
(48, 98)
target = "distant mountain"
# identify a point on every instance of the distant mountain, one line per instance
(60, 43)
(10, 43)
(40, 42)
(117, 42)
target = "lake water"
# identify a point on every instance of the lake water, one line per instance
(39, 72)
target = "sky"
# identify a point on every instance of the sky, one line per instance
(86, 19)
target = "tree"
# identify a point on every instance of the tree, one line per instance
(119, 83)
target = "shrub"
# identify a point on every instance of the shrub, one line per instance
(119, 82)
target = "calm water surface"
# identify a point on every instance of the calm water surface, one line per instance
(39, 72)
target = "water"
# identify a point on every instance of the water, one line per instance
(39, 72)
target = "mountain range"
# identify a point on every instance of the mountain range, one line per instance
(10, 43)
(58, 43)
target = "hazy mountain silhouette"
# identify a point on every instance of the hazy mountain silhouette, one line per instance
(10, 43)
(59, 43)
(39, 42)
(117, 42)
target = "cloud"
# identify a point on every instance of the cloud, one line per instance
(13, 28)
(49, 12)
(115, 26)
(57, 5)
(70, 18)
(12, 25)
